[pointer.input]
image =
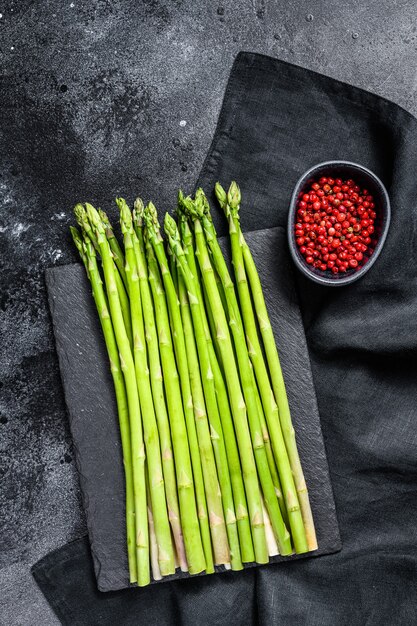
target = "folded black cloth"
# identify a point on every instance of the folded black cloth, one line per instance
(66, 577)
(276, 121)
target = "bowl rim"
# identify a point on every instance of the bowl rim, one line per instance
(301, 265)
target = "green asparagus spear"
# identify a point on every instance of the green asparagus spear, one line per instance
(83, 221)
(237, 402)
(114, 246)
(213, 490)
(88, 256)
(247, 379)
(287, 430)
(172, 266)
(280, 393)
(79, 244)
(155, 239)
(153, 544)
(157, 383)
(187, 498)
(246, 546)
(190, 295)
(153, 452)
(269, 533)
(269, 404)
(271, 462)
(128, 369)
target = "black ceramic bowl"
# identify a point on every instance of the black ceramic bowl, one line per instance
(362, 176)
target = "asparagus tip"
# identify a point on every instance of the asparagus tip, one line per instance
(234, 196)
(150, 216)
(76, 238)
(185, 205)
(138, 208)
(80, 244)
(198, 205)
(202, 203)
(170, 226)
(93, 216)
(80, 214)
(104, 218)
(221, 195)
(75, 233)
(181, 209)
(88, 247)
(137, 213)
(125, 215)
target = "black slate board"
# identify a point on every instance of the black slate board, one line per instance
(93, 417)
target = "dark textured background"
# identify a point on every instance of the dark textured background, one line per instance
(100, 98)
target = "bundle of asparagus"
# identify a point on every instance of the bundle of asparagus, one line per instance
(212, 471)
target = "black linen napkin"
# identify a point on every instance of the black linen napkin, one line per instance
(276, 121)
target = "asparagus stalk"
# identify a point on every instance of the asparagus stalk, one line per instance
(222, 555)
(246, 546)
(271, 462)
(153, 232)
(187, 499)
(221, 392)
(280, 393)
(277, 378)
(158, 388)
(114, 246)
(83, 221)
(220, 547)
(153, 544)
(172, 265)
(153, 452)
(128, 369)
(247, 379)
(231, 209)
(237, 402)
(187, 239)
(88, 256)
(269, 532)
(79, 244)
(187, 283)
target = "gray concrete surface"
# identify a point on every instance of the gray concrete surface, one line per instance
(107, 97)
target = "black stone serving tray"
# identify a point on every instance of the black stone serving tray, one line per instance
(93, 417)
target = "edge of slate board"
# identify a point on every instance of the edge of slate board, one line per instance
(92, 410)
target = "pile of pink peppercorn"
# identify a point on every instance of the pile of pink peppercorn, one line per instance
(335, 225)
